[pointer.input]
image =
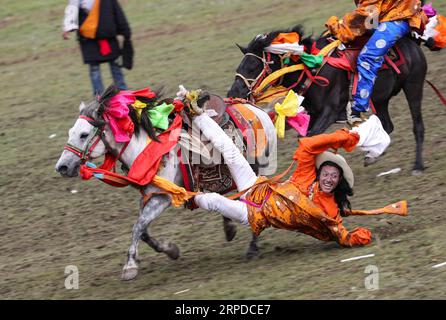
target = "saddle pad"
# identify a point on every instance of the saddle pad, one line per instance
(251, 128)
(347, 59)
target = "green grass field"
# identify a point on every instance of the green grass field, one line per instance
(44, 227)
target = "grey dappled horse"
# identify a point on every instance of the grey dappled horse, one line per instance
(92, 137)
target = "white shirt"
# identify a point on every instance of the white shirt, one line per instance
(71, 18)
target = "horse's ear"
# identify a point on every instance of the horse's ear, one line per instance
(299, 29)
(82, 106)
(242, 49)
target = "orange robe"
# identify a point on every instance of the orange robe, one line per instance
(354, 23)
(287, 206)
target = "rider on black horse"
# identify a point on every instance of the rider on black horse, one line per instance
(390, 21)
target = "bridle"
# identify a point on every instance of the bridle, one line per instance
(257, 88)
(98, 135)
(252, 84)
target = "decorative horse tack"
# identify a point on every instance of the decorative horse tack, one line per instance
(85, 153)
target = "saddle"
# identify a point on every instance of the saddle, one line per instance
(347, 58)
(244, 128)
(216, 103)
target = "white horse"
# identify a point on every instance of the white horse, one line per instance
(91, 137)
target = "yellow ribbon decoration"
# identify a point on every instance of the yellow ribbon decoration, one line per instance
(276, 75)
(193, 95)
(138, 105)
(328, 48)
(271, 94)
(288, 108)
(179, 194)
(281, 72)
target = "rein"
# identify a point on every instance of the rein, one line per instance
(252, 84)
(259, 86)
(85, 153)
(442, 98)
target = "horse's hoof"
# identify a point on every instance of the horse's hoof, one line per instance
(173, 252)
(129, 274)
(369, 161)
(230, 230)
(252, 253)
(417, 172)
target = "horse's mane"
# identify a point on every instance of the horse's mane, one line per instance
(96, 108)
(261, 41)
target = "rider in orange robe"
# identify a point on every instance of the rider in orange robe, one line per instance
(311, 201)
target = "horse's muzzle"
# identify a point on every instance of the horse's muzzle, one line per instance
(65, 171)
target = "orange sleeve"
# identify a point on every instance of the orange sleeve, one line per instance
(309, 148)
(353, 24)
(357, 237)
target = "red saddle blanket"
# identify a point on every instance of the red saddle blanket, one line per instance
(347, 59)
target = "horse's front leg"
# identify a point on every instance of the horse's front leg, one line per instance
(150, 212)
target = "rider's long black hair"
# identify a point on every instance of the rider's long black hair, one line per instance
(342, 190)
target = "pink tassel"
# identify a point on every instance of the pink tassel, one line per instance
(300, 123)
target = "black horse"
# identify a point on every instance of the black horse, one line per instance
(326, 104)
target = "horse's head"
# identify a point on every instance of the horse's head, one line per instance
(89, 138)
(254, 67)
(257, 64)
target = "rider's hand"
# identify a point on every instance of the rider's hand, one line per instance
(360, 236)
(66, 35)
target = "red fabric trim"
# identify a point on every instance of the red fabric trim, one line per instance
(104, 47)
(234, 118)
(373, 107)
(79, 154)
(145, 166)
(314, 50)
(340, 63)
(86, 118)
(355, 83)
(183, 169)
(392, 64)
(401, 61)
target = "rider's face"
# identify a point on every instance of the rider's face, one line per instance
(329, 178)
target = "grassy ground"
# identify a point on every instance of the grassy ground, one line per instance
(44, 227)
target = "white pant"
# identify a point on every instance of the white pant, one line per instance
(240, 169)
(233, 209)
(374, 140)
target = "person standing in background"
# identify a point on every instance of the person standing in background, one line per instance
(98, 24)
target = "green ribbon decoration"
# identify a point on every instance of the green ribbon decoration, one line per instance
(311, 61)
(159, 115)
